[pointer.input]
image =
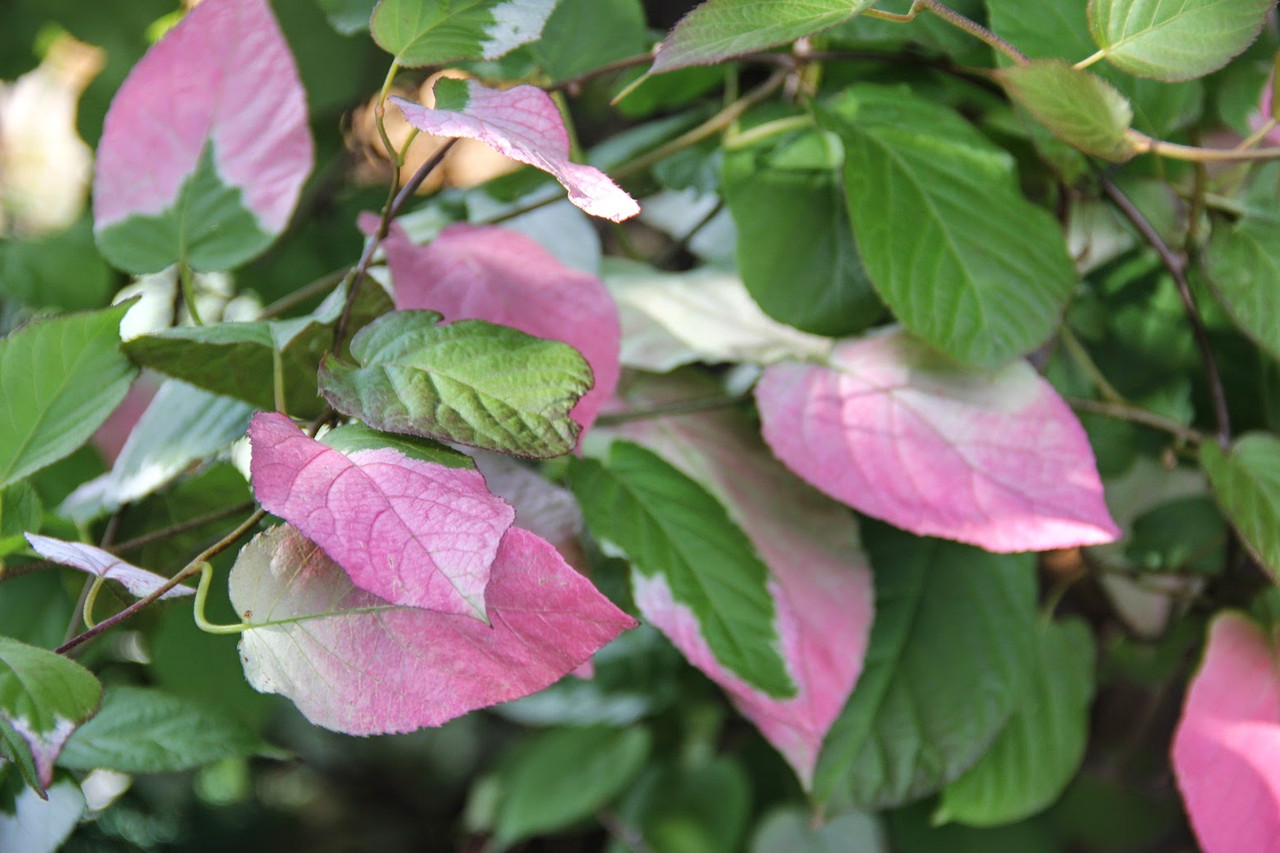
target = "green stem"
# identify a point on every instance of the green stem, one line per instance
(1085, 362)
(190, 569)
(1089, 60)
(973, 28)
(767, 130)
(202, 596)
(277, 380)
(1144, 144)
(86, 610)
(186, 280)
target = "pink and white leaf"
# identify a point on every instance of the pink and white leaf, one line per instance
(994, 458)
(412, 532)
(354, 663)
(820, 581)
(522, 123)
(97, 562)
(502, 276)
(1226, 750)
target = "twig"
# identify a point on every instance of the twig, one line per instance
(180, 528)
(1177, 269)
(190, 569)
(1133, 414)
(973, 28)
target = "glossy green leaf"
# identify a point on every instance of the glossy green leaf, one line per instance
(469, 382)
(952, 650)
(143, 730)
(795, 250)
(43, 697)
(1244, 271)
(236, 359)
(961, 257)
(357, 436)
(1175, 39)
(1040, 750)
(59, 380)
(1081, 108)
(566, 775)
(720, 29)
(432, 32)
(1246, 483)
(670, 527)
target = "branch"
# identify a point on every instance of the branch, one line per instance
(1133, 414)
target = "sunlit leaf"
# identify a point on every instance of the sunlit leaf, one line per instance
(994, 458)
(502, 276)
(206, 145)
(469, 382)
(432, 32)
(139, 582)
(357, 664)
(819, 578)
(59, 379)
(1226, 750)
(720, 29)
(411, 532)
(522, 123)
(1175, 39)
(1081, 108)
(43, 697)
(691, 562)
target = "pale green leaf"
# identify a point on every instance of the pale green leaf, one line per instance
(1246, 483)
(721, 29)
(469, 382)
(59, 380)
(952, 649)
(1040, 750)
(432, 32)
(961, 257)
(1081, 108)
(672, 528)
(1175, 39)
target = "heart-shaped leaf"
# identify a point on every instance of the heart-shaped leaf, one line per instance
(43, 697)
(1226, 750)
(139, 582)
(522, 123)
(469, 382)
(431, 32)
(994, 458)
(820, 581)
(206, 145)
(411, 532)
(354, 663)
(502, 276)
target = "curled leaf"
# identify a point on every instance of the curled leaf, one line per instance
(524, 124)
(355, 663)
(100, 563)
(412, 532)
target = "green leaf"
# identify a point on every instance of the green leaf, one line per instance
(143, 730)
(43, 697)
(432, 32)
(703, 809)
(795, 250)
(1040, 750)
(720, 29)
(357, 436)
(20, 511)
(61, 271)
(1185, 534)
(791, 830)
(1246, 483)
(35, 608)
(565, 775)
(951, 652)
(1171, 40)
(469, 382)
(673, 529)
(348, 16)
(1244, 272)
(59, 380)
(1081, 108)
(960, 256)
(582, 35)
(236, 359)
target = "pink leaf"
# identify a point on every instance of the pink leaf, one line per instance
(994, 458)
(95, 561)
(412, 532)
(524, 124)
(1226, 751)
(356, 664)
(223, 79)
(821, 583)
(502, 276)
